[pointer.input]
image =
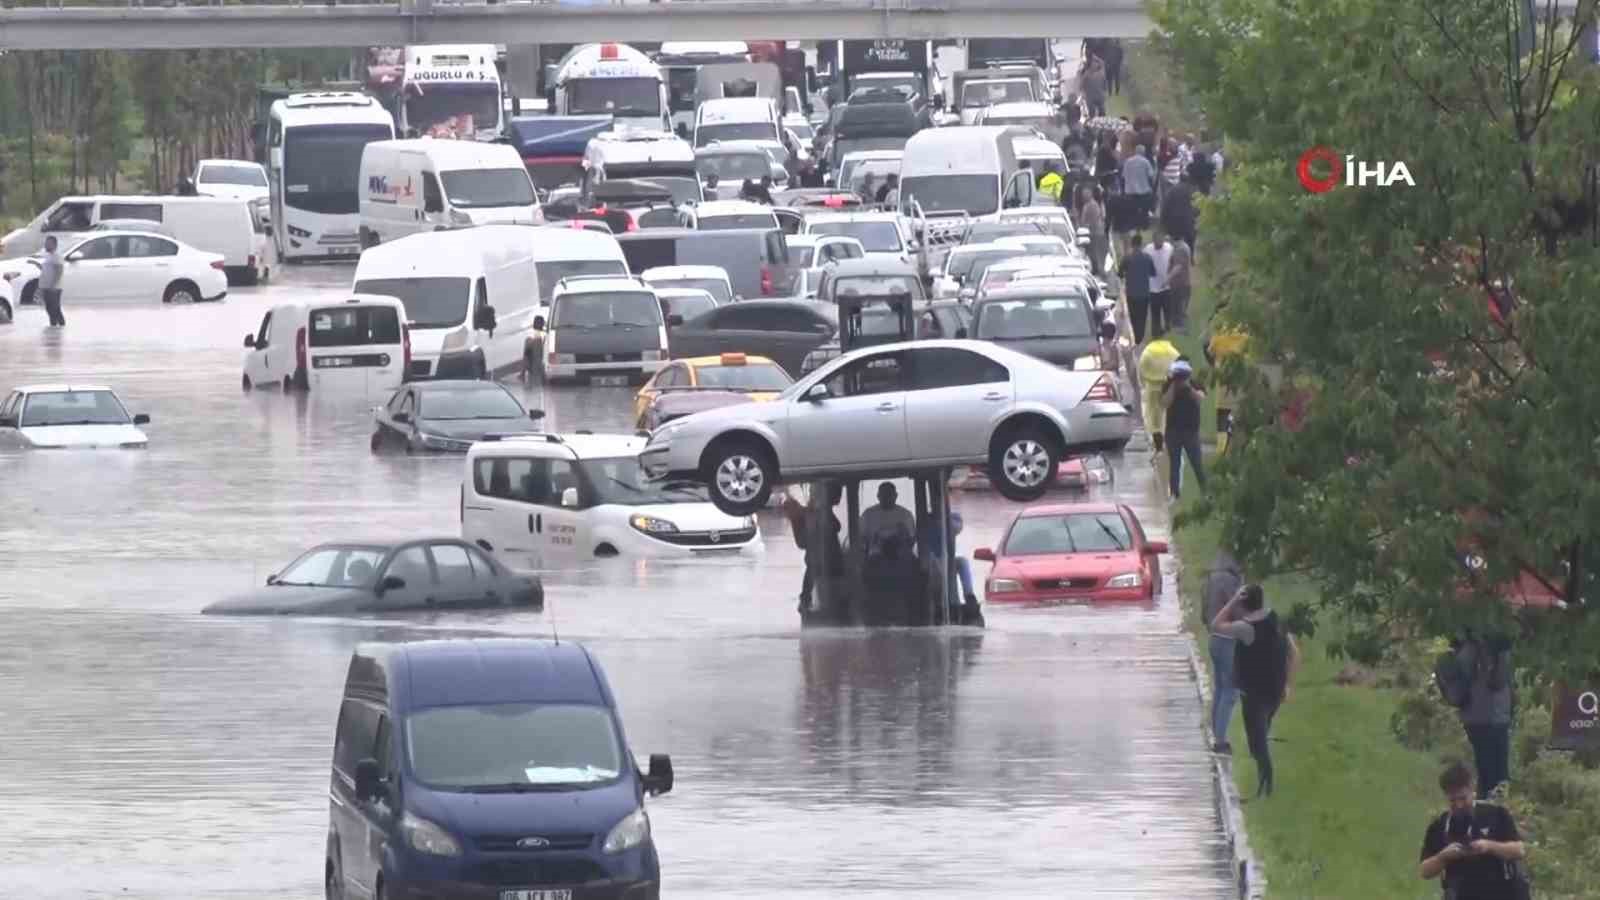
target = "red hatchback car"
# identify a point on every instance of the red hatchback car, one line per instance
(1074, 553)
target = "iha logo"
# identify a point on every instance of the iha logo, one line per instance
(1349, 171)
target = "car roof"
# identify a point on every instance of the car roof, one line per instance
(872, 266)
(1030, 289)
(872, 155)
(739, 146)
(730, 208)
(672, 272)
(664, 293)
(136, 232)
(579, 445)
(59, 388)
(357, 298)
(1060, 509)
(862, 216)
(489, 671)
(1018, 108)
(443, 385)
(696, 362)
(598, 285)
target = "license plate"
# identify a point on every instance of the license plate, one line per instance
(609, 380)
(333, 362)
(536, 894)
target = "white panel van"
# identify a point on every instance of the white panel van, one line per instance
(427, 184)
(470, 296)
(360, 344)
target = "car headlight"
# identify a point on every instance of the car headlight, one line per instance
(749, 522)
(651, 524)
(651, 356)
(298, 232)
(1125, 580)
(1086, 364)
(433, 440)
(1004, 586)
(632, 831)
(426, 837)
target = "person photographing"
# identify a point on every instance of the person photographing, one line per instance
(1474, 847)
(1181, 399)
(1265, 660)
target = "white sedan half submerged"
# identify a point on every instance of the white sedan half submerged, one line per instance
(58, 416)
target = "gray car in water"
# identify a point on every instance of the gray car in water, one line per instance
(1052, 320)
(387, 576)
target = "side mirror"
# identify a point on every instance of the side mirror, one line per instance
(569, 498)
(401, 418)
(536, 414)
(817, 393)
(659, 779)
(983, 554)
(272, 580)
(369, 780)
(141, 419)
(538, 323)
(1155, 548)
(486, 318)
(391, 583)
(674, 320)
(250, 341)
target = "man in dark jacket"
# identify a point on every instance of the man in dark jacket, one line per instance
(1264, 666)
(1136, 271)
(1487, 714)
(1178, 213)
(1222, 582)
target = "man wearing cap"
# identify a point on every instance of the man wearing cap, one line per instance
(1182, 397)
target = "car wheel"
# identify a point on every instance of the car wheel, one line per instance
(244, 382)
(302, 380)
(181, 292)
(5, 312)
(29, 293)
(1022, 463)
(740, 473)
(333, 881)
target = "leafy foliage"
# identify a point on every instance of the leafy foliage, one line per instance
(1436, 427)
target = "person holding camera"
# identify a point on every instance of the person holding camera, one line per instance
(1266, 658)
(1475, 846)
(1181, 397)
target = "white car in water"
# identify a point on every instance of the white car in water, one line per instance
(139, 265)
(61, 416)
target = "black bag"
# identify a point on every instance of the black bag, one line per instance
(1453, 679)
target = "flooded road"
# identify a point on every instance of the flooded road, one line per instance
(153, 753)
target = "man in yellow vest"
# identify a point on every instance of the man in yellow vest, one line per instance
(1224, 343)
(1155, 364)
(1051, 184)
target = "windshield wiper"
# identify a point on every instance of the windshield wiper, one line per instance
(513, 787)
(1115, 541)
(631, 324)
(299, 584)
(76, 422)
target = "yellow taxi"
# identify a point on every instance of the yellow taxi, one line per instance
(755, 376)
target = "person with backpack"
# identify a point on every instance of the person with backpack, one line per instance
(1265, 660)
(1475, 678)
(1473, 847)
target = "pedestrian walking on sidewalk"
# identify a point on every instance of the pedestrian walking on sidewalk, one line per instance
(1222, 582)
(1139, 182)
(1180, 275)
(1136, 271)
(1182, 397)
(51, 269)
(1264, 664)
(1473, 845)
(1160, 253)
(1092, 215)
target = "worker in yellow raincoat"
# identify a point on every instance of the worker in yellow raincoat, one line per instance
(1155, 364)
(1051, 184)
(1226, 342)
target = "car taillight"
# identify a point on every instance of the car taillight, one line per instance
(300, 349)
(766, 280)
(1103, 390)
(405, 343)
(633, 223)
(217, 264)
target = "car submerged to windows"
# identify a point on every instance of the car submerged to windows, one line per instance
(60, 416)
(447, 416)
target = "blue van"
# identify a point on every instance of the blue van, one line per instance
(492, 769)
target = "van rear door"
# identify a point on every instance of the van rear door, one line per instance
(357, 345)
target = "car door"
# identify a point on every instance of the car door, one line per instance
(1150, 562)
(94, 271)
(861, 421)
(458, 586)
(356, 739)
(566, 527)
(404, 402)
(412, 566)
(149, 265)
(491, 580)
(9, 411)
(512, 493)
(257, 365)
(955, 396)
(796, 330)
(670, 376)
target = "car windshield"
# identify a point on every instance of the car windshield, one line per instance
(878, 286)
(619, 480)
(751, 377)
(345, 565)
(716, 287)
(473, 188)
(551, 271)
(1035, 317)
(448, 110)
(977, 195)
(732, 221)
(689, 305)
(604, 309)
(509, 747)
(322, 166)
(735, 166)
(1073, 533)
(1057, 226)
(853, 174)
(429, 302)
(735, 131)
(72, 408)
(875, 237)
(985, 232)
(961, 265)
(901, 85)
(348, 326)
(249, 176)
(681, 82)
(638, 97)
(487, 402)
(880, 320)
(977, 94)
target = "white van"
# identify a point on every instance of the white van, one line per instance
(560, 252)
(213, 224)
(737, 119)
(971, 170)
(424, 184)
(537, 500)
(470, 297)
(361, 344)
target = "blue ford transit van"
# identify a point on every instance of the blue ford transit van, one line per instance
(487, 770)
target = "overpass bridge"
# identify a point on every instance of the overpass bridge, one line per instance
(113, 25)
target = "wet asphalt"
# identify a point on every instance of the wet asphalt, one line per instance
(150, 752)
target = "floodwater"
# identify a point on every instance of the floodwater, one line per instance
(153, 753)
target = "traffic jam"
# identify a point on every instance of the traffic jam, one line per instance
(704, 305)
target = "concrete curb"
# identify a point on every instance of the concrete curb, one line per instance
(1247, 872)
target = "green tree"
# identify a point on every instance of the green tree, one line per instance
(1434, 429)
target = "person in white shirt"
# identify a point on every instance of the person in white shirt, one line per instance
(1160, 253)
(887, 522)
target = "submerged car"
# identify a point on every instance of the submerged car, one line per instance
(61, 416)
(1074, 553)
(385, 576)
(448, 416)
